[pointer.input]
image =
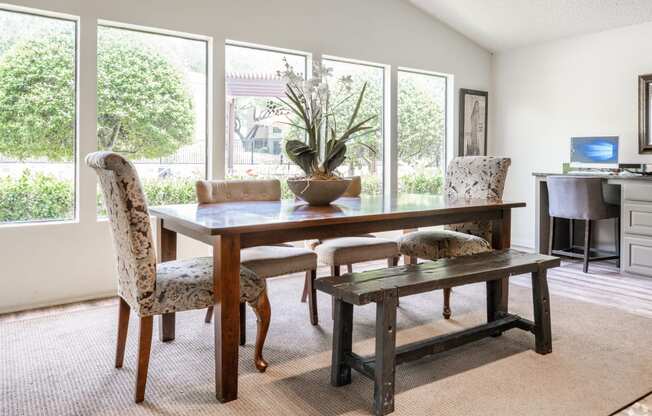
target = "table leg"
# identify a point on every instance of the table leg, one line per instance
(502, 240)
(226, 312)
(385, 365)
(167, 251)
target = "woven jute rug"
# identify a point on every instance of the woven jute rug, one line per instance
(601, 360)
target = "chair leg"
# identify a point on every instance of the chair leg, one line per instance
(349, 268)
(447, 303)
(144, 348)
(243, 324)
(306, 283)
(587, 245)
(263, 315)
(123, 326)
(166, 327)
(335, 271)
(209, 315)
(551, 236)
(312, 297)
(410, 260)
(618, 240)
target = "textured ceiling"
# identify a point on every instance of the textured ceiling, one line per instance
(503, 24)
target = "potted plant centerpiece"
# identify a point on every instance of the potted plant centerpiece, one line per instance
(310, 110)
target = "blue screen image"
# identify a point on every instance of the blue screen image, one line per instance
(594, 149)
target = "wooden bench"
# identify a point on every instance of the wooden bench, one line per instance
(385, 286)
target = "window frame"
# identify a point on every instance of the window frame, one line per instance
(449, 145)
(308, 56)
(76, 205)
(208, 139)
(386, 110)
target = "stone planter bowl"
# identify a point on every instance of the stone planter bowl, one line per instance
(318, 192)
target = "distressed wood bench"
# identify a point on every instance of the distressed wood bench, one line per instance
(385, 286)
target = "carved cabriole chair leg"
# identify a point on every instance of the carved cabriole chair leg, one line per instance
(123, 325)
(447, 303)
(144, 348)
(263, 315)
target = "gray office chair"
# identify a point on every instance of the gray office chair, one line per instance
(578, 198)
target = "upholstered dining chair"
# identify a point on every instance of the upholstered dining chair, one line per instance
(151, 289)
(265, 261)
(337, 252)
(469, 177)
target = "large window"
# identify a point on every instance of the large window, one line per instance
(365, 152)
(37, 117)
(152, 94)
(421, 132)
(255, 129)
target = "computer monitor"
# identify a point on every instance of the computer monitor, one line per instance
(594, 152)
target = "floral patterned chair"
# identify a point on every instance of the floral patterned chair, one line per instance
(265, 261)
(151, 289)
(481, 177)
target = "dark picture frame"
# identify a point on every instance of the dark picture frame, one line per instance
(473, 123)
(644, 132)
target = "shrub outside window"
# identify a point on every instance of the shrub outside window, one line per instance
(152, 94)
(38, 112)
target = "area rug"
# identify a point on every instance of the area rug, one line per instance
(602, 359)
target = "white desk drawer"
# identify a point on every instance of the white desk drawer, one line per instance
(637, 255)
(638, 192)
(637, 219)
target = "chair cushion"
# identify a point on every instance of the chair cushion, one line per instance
(271, 261)
(350, 250)
(314, 243)
(439, 244)
(188, 284)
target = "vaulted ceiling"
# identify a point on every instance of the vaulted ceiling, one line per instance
(504, 24)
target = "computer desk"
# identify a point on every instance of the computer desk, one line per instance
(634, 193)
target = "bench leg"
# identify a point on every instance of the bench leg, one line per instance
(541, 299)
(496, 305)
(342, 342)
(385, 366)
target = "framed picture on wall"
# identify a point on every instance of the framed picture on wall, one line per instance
(473, 122)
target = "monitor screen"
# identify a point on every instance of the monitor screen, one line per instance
(594, 151)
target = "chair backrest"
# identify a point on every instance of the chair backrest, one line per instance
(211, 192)
(132, 235)
(355, 188)
(576, 198)
(471, 177)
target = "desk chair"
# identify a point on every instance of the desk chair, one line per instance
(577, 198)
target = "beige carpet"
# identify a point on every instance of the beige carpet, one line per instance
(602, 360)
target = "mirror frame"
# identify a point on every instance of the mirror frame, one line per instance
(644, 138)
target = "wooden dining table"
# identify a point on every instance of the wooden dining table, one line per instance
(231, 226)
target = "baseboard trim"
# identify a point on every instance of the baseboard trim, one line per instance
(56, 302)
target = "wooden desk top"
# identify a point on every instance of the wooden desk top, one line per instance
(241, 217)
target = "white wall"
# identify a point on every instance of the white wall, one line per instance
(47, 264)
(544, 94)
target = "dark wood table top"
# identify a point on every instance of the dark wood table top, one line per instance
(241, 217)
